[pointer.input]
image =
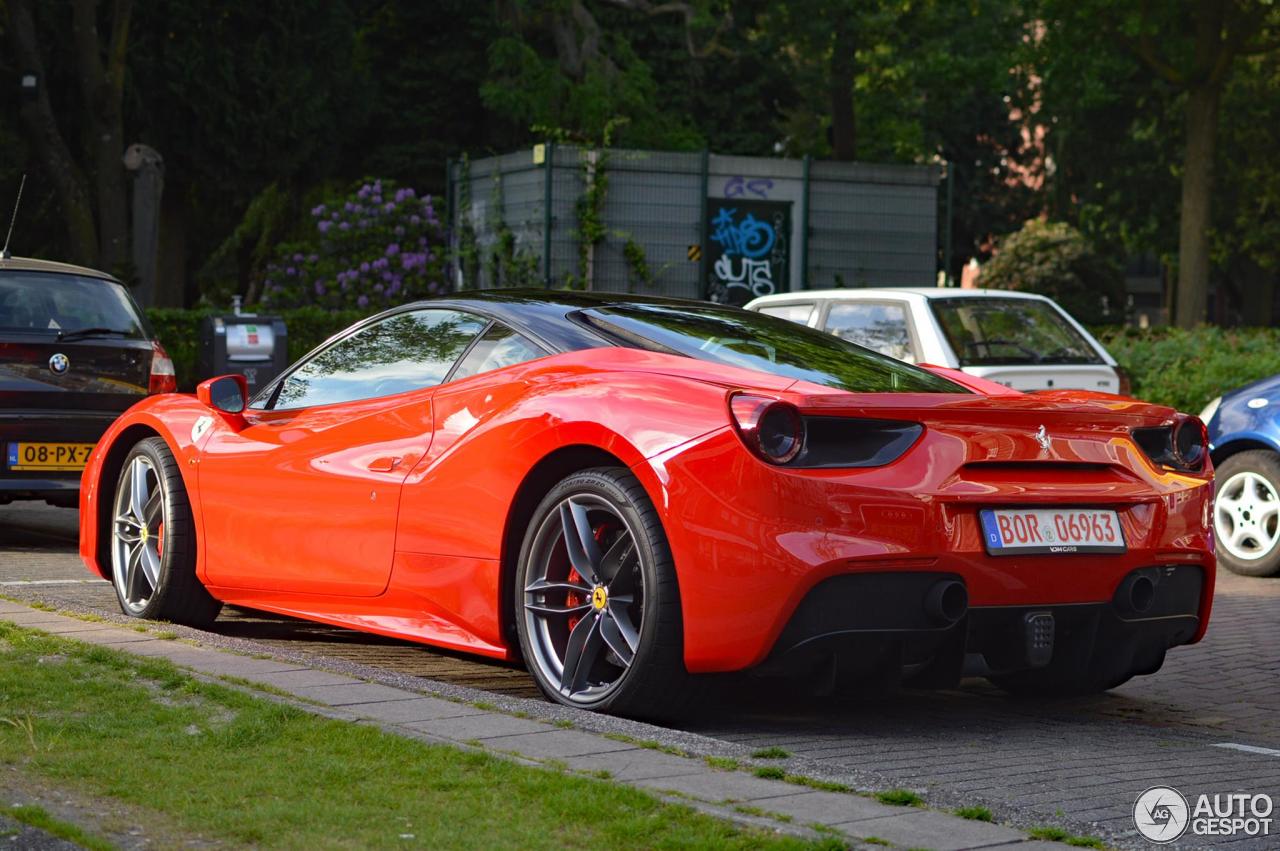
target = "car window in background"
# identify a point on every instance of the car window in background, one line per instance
(407, 351)
(53, 302)
(499, 347)
(800, 313)
(997, 331)
(878, 326)
(752, 340)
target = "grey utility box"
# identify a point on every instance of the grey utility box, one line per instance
(256, 347)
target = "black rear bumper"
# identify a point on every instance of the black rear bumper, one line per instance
(60, 487)
(881, 627)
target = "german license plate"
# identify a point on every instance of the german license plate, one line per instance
(48, 456)
(1052, 531)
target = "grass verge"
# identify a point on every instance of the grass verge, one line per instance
(254, 772)
(38, 817)
(1057, 834)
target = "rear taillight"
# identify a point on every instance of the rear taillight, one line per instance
(163, 377)
(778, 433)
(772, 429)
(1182, 446)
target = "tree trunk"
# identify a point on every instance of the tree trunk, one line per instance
(102, 88)
(69, 182)
(1197, 193)
(844, 65)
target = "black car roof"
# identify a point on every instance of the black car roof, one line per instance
(544, 314)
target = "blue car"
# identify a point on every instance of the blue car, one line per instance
(1244, 440)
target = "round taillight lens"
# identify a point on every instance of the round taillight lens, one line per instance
(780, 433)
(772, 429)
(1191, 442)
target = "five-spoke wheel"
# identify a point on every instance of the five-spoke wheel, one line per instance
(597, 608)
(153, 552)
(138, 538)
(1246, 515)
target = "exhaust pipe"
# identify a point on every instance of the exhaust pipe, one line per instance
(947, 601)
(1136, 595)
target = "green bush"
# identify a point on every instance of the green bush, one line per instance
(1185, 369)
(1056, 260)
(179, 333)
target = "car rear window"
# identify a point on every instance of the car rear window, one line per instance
(1006, 331)
(753, 340)
(52, 302)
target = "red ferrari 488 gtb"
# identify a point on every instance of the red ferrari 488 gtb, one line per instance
(630, 492)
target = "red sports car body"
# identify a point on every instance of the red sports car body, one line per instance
(770, 518)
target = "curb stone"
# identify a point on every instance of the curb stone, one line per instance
(787, 807)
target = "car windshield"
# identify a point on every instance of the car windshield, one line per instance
(757, 341)
(57, 303)
(1006, 331)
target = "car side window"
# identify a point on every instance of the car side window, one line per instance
(800, 313)
(500, 346)
(875, 325)
(407, 351)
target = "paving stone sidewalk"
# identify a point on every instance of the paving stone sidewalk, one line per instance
(732, 794)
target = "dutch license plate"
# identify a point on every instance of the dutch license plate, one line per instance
(48, 456)
(1054, 531)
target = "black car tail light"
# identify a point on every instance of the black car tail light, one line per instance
(163, 378)
(778, 433)
(1182, 445)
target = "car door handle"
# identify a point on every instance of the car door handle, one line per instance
(384, 465)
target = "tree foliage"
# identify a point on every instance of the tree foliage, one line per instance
(1056, 260)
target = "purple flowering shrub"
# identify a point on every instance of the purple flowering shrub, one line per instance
(375, 247)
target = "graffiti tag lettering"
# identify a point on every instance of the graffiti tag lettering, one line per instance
(735, 186)
(748, 238)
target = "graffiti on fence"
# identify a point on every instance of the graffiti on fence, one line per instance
(737, 186)
(747, 256)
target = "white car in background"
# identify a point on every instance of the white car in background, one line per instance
(1021, 340)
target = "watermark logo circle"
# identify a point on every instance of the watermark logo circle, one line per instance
(1161, 814)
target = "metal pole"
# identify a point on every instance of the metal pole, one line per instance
(549, 165)
(946, 248)
(703, 229)
(804, 225)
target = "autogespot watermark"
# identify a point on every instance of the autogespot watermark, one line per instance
(1162, 814)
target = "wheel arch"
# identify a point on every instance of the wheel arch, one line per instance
(1236, 445)
(108, 473)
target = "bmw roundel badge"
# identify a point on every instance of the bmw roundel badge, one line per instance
(59, 364)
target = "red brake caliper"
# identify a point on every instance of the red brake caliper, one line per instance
(160, 540)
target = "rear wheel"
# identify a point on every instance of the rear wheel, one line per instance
(1246, 514)
(153, 548)
(597, 606)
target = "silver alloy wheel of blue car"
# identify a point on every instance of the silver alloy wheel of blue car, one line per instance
(1247, 516)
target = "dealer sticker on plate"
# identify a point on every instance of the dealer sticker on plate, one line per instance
(1055, 531)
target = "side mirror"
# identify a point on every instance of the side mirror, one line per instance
(226, 393)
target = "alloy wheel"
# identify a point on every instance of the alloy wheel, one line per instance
(584, 598)
(1247, 516)
(137, 534)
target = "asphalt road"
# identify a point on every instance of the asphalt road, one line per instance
(1209, 722)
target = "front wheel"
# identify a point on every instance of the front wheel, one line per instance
(597, 608)
(1246, 514)
(153, 553)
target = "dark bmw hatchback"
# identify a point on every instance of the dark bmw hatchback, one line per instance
(75, 352)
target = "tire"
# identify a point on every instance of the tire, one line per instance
(153, 542)
(563, 616)
(1246, 513)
